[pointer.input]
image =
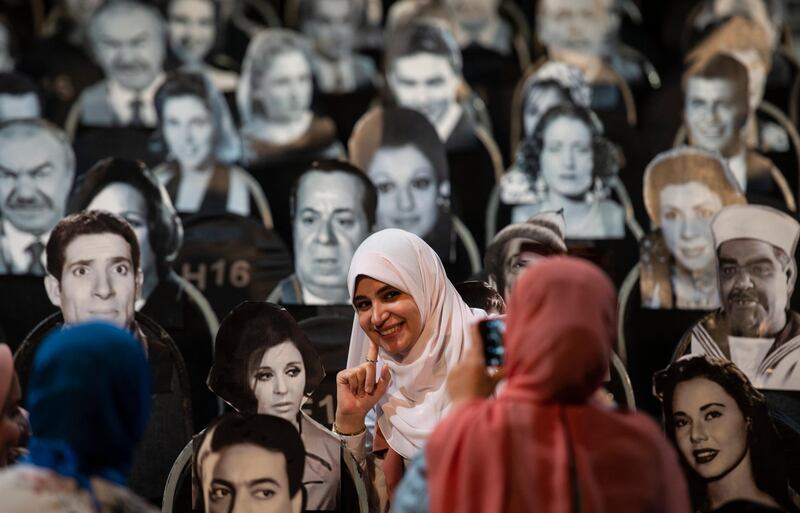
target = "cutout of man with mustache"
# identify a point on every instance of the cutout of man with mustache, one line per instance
(128, 41)
(755, 327)
(37, 167)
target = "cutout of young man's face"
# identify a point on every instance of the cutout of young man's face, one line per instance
(34, 181)
(285, 88)
(188, 128)
(192, 29)
(98, 281)
(127, 202)
(332, 28)
(685, 220)
(279, 381)
(425, 82)
(129, 47)
(408, 189)
(710, 430)
(19, 106)
(329, 224)
(567, 158)
(754, 287)
(713, 115)
(246, 478)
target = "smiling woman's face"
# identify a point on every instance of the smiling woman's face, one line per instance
(389, 316)
(279, 381)
(685, 218)
(710, 429)
(407, 190)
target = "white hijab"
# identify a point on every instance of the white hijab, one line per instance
(416, 399)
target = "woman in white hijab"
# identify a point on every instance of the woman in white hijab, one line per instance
(406, 306)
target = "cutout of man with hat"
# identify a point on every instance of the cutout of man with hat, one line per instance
(754, 328)
(519, 245)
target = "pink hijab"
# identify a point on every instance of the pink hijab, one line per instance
(543, 444)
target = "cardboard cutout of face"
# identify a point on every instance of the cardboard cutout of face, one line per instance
(35, 179)
(285, 88)
(567, 177)
(192, 29)
(188, 129)
(713, 117)
(239, 470)
(130, 47)
(332, 27)
(427, 83)
(684, 189)
(578, 25)
(98, 281)
(329, 224)
(127, 202)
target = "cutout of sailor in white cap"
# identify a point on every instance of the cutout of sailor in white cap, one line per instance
(754, 328)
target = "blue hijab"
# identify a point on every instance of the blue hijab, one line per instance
(89, 401)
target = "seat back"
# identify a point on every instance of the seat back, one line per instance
(230, 259)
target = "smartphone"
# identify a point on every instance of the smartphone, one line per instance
(492, 331)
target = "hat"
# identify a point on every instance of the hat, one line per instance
(756, 222)
(545, 228)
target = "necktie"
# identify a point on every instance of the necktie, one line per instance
(35, 250)
(136, 112)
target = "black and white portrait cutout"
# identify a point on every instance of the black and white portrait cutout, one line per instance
(568, 165)
(332, 26)
(716, 110)
(192, 27)
(402, 155)
(754, 328)
(519, 246)
(128, 41)
(202, 144)
(552, 84)
(333, 211)
(683, 190)
(424, 73)
(250, 464)
(746, 41)
(37, 167)
(263, 363)
(721, 427)
(274, 98)
(19, 97)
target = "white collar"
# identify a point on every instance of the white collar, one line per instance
(738, 166)
(121, 97)
(16, 244)
(445, 126)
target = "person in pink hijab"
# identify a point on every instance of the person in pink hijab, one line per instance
(547, 442)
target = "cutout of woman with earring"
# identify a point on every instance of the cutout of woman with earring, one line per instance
(405, 159)
(569, 166)
(721, 427)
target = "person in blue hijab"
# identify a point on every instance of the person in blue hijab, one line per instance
(89, 402)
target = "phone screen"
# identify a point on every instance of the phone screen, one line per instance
(492, 331)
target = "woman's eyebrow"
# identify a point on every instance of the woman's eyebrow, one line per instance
(385, 288)
(709, 405)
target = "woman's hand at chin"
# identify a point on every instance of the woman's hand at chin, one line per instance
(352, 400)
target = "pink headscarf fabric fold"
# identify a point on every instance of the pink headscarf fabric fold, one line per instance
(543, 445)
